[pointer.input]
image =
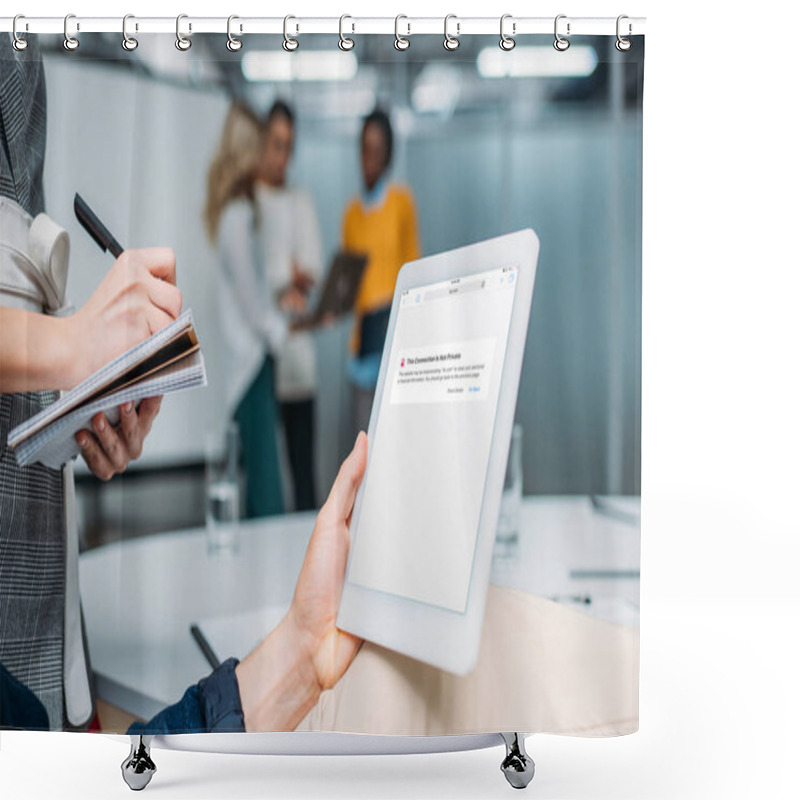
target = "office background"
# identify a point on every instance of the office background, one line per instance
(483, 154)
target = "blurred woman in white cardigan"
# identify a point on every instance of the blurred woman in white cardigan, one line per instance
(252, 327)
(268, 240)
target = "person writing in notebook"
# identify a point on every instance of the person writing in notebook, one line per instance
(39, 352)
(381, 223)
(43, 661)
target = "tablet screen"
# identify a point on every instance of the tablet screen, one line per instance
(429, 454)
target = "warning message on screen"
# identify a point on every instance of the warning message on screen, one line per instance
(444, 373)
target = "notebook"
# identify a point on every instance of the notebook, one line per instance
(168, 361)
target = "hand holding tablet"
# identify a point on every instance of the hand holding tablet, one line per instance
(424, 521)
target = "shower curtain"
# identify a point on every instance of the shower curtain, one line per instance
(134, 587)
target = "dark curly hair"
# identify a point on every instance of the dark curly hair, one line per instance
(381, 119)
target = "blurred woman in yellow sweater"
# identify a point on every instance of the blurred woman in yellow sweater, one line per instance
(380, 222)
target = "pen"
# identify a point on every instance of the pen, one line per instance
(582, 599)
(604, 573)
(203, 644)
(95, 228)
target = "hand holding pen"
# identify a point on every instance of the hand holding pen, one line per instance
(136, 298)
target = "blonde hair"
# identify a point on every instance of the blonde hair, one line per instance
(232, 173)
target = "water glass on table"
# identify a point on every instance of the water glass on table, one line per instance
(507, 536)
(222, 492)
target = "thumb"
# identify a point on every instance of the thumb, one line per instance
(343, 492)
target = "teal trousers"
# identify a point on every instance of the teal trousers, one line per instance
(257, 417)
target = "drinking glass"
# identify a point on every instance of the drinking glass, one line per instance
(222, 492)
(508, 522)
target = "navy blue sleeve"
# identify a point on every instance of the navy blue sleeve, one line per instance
(211, 706)
(19, 706)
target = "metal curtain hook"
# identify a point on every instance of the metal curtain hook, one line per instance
(345, 43)
(507, 42)
(561, 44)
(290, 44)
(451, 42)
(233, 44)
(181, 42)
(19, 42)
(128, 42)
(70, 42)
(400, 42)
(622, 44)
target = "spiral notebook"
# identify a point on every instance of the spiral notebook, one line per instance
(168, 361)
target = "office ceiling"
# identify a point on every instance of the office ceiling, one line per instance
(425, 78)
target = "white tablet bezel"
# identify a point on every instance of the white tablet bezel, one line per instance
(438, 636)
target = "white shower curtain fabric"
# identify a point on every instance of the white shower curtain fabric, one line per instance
(257, 168)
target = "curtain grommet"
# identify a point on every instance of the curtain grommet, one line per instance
(233, 44)
(183, 43)
(622, 44)
(507, 42)
(290, 44)
(20, 42)
(450, 42)
(401, 43)
(128, 42)
(345, 42)
(70, 42)
(561, 43)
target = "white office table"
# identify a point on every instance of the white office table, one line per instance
(140, 596)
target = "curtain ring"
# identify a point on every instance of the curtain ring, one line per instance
(507, 42)
(20, 43)
(451, 42)
(560, 43)
(233, 44)
(128, 42)
(290, 44)
(181, 41)
(400, 42)
(345, 43)
(622, 44)
(70, 42)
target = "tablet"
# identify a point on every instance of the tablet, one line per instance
(341, 285)
(425, 516)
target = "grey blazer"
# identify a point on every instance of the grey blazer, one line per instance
(41, 643)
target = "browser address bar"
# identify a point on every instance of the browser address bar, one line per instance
(459, 288)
